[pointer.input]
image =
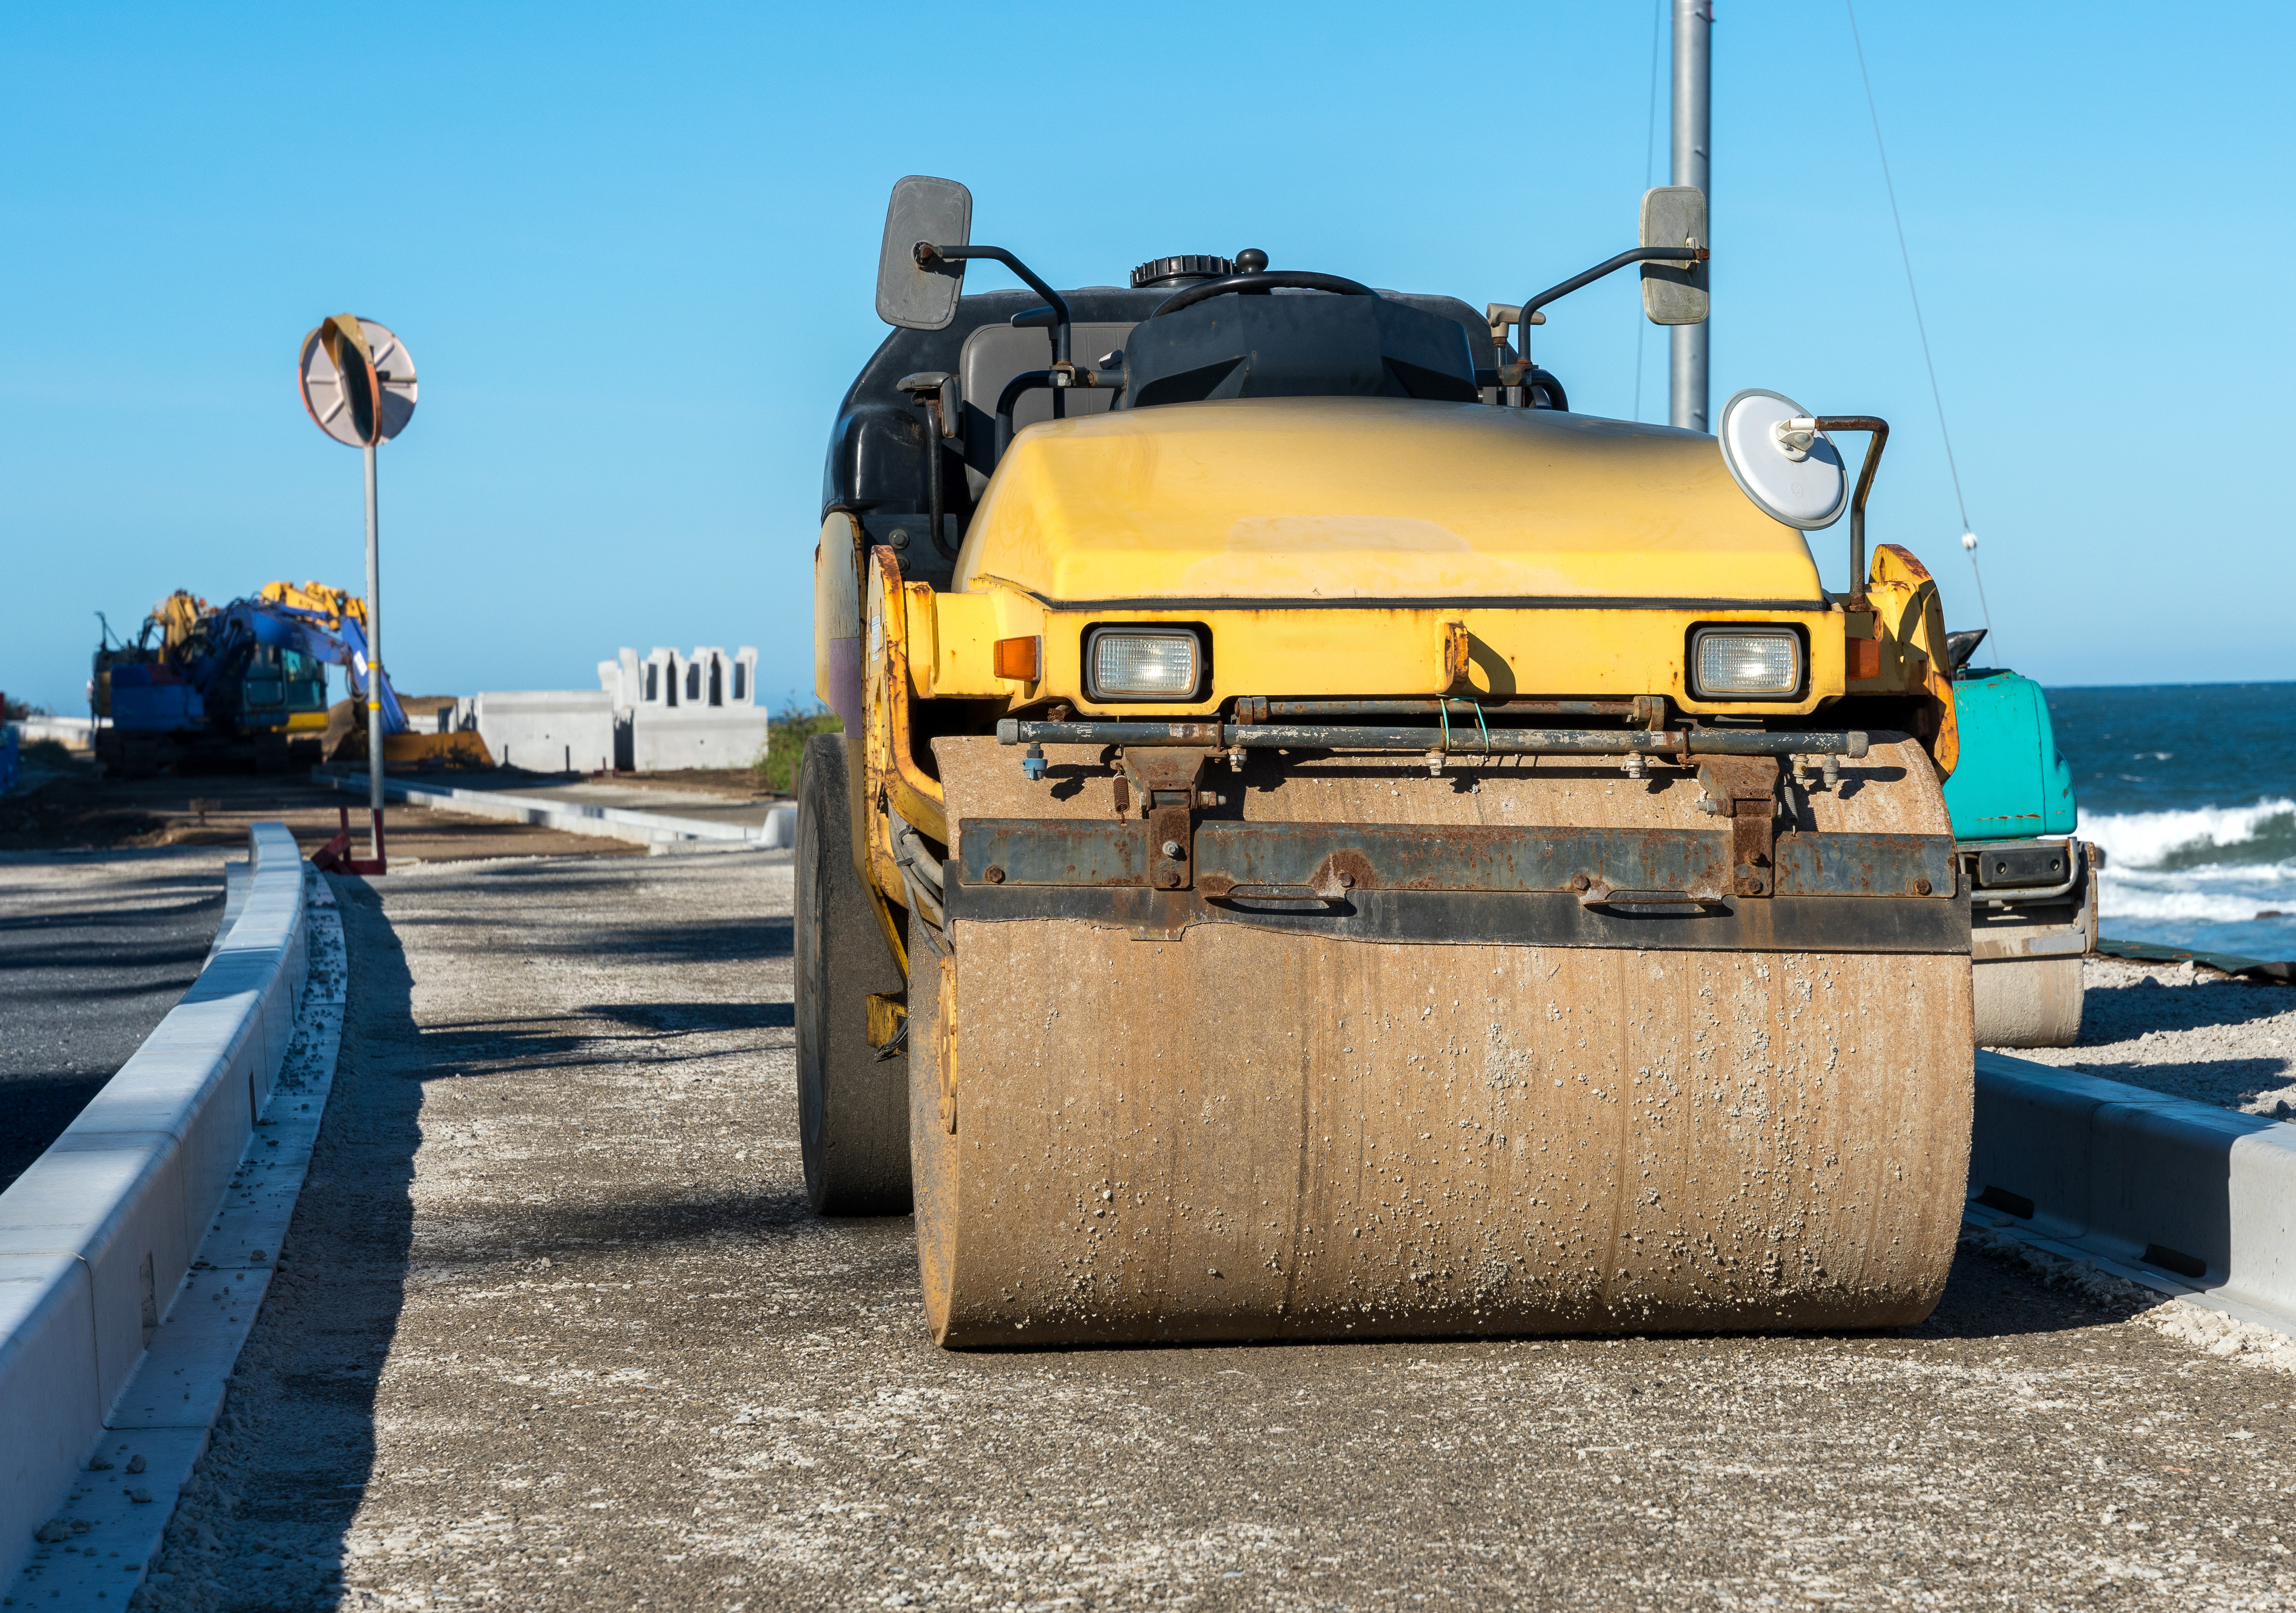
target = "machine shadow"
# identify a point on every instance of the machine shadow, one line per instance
(2109, 1012)
(299, 1444)
(678, 1019)
(296, 1447)
(752, 942)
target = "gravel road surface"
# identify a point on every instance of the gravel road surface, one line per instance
(555, 1330)
(2190, 1032)
(95, 949)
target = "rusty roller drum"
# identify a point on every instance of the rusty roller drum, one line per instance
(1226, 1127)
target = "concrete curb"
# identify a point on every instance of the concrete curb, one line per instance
(2184, 1197)
(659, 830)
(96, 1236)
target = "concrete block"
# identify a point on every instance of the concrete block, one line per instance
(2185, 1196)
(76, 731)
(697, 710)
(781, 828)
(2263, 1214)
(96, 1234)
(696, 737)
(48, 1390)
(575, 817)
(543, 729)
(115, 1201)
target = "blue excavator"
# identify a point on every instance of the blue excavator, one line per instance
(202, 688)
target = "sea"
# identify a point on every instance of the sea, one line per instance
(2191, 791)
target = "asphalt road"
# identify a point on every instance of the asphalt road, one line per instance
(96, 947)
(555, 1330)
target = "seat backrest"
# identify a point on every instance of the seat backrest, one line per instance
(994, 354)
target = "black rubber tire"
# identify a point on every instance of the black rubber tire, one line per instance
(853, 1105)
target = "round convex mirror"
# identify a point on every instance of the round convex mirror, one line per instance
(1802, 487)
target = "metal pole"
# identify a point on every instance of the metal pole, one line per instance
(373, 665)
(1694, 82)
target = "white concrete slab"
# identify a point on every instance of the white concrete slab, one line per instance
(2185, 1197)
(658, 828)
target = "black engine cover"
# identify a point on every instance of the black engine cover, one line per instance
(1307, 344)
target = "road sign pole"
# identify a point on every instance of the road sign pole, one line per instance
(374, 664)
(357, 382)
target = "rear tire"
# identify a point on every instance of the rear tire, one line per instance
(853, 1105)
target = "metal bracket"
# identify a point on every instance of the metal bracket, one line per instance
(1744, 789)
(1163, 780)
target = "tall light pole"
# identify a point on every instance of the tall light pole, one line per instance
(1694, 82)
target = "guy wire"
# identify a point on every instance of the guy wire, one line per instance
(1921, 326)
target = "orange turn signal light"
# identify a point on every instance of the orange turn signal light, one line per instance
(1020, 658)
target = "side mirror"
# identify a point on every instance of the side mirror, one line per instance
(1674, 293)
(922, 296)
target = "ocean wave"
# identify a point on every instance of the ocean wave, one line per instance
(2222, 892)
(2262, 834)
(2117, 900)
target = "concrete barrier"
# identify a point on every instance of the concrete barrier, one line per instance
(663, 831)
(76, 731)
(540, 729)
(677, 711)
(96, 1235)
(2185, 1197)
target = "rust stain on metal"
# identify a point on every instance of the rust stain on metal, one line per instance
(1745, 790)
(1383, 1140)
(1375, 1139)
(944, 1044)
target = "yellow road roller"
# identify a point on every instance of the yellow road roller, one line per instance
(1329, 843)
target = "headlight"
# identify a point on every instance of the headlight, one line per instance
(1735, 663)
(1124, 664)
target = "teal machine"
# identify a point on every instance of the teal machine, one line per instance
(2033, 885)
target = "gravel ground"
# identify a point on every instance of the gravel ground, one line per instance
(78, 810)
(555, 1330)
(2191, 1032)
(95, 949)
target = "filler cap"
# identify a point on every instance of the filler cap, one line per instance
(1158, 272)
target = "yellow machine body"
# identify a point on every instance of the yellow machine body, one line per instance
(1142, 1113)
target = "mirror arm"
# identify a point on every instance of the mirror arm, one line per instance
(1531, 314)
(1611, 265)
(1880, 427)
(927, 251)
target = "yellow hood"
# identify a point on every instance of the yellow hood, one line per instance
(1374, 498)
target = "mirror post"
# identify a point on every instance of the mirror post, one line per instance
(1879, 428)
(1693, 79)
(374, 666)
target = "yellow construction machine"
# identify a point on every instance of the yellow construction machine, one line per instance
(1329, 843)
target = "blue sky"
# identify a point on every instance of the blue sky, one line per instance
(633, 249)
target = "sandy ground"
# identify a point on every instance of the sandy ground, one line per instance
(2193, 1033)
(554, 1329)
